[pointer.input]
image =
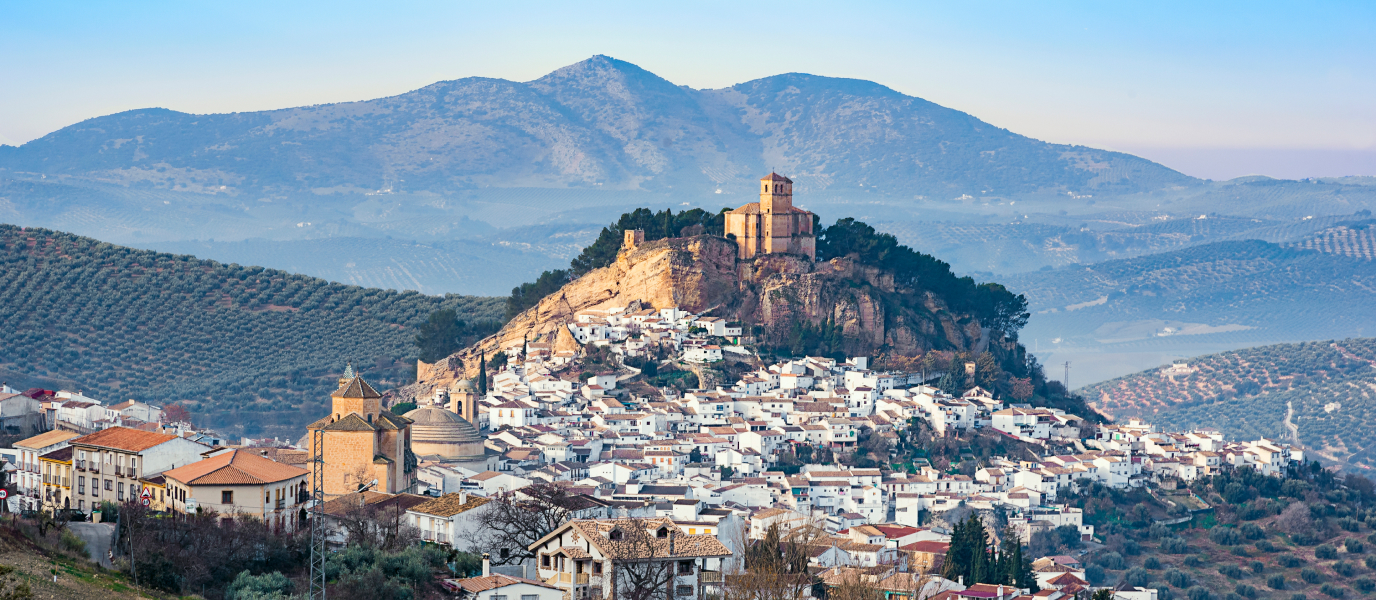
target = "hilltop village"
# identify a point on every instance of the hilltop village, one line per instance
(691, 473)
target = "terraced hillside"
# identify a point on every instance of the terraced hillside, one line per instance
(1357, 240)
(248, 350)
(1322, 394)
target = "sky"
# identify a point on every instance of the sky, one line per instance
(1213, 89)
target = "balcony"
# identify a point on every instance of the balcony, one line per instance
(119, 471)
(281, 503)
(709, 576)
(581, 579)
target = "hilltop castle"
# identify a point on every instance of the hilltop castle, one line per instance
(772, 225)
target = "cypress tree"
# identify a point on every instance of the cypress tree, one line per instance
(482, 374)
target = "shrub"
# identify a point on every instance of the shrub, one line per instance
(1095, 574)
(1311, 575)
(1239, 551)
(1198, 593)
(1132, 548)
(1231, 571)
(1298, 597)
(1329, 589)
(1246, 591)
(1364, 585)
(1350, 524)
(1289, 561)
(1158, 531)
(1137, 576)
(1276, 582)
(268, 586)
(1344, 568)
(1163, 592)
(1325, 552)
(73, 543)
(1266, 546)
(1178, 578)
(1110, 560)
(1354, 546)
(1251, 531)
(1154, 563)
(1174, 545)
(1225, 536)
(1257, 567)
(1370, 562)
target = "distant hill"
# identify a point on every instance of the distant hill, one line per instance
(1326, 388)
(249, 350)
(1193, 301)
(598, 124)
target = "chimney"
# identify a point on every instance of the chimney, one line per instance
(960, 580)
(1000, 591)
(487, 564)
(463, 497)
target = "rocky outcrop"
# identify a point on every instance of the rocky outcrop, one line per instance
(770, 294)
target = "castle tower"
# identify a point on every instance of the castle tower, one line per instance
(772, 225)
(634, 237)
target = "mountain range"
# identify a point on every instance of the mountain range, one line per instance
(598, 124)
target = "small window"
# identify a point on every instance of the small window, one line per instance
(615, 535)
(544, 561)
(684, 590)
(597, 568)
(662, 533)
(685, 567)
(497, 597)
(530, 597)
(227, 497)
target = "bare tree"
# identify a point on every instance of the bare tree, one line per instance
(382, 525)
(643, 563)
(776, 566)
(512, 521)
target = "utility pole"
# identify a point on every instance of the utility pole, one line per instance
(317, 588)
(1067, 377)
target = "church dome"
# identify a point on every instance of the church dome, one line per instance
(466, 385)
(444, 435)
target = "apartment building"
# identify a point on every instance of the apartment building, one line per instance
(109, 463)
(29, 477)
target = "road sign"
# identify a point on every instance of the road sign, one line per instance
(191, 505)
(146, 501)
(147, 492)
(4, 494)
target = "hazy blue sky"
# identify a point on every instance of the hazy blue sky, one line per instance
(1213, 89)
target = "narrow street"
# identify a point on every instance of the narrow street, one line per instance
(97, 537)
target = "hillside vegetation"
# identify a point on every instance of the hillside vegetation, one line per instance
(1251, 291)
(248, 350)
(1326, 388)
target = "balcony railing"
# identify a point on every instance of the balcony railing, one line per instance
(582, 579)
(119, 471)
(441, 537)
(281, 503)
(709, 576)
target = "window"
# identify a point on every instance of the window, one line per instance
(662, 533)
(544, 561)
(506, 553)
(81, 485)
(685, 567)
(692, 531)
(683, 590)
(530, 597)
(227, 497)
(109, 484)
(597, 568)
(497, 597)
(81, 505)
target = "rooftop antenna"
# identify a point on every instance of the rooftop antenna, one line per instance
(1067, 376)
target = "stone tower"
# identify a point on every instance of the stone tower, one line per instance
(463, 401)
(634, 237)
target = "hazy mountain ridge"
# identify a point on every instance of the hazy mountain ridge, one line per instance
(598, 122)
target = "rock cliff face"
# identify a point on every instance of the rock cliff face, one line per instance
(769, 294)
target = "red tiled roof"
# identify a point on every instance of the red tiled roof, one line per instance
(124, 438)
(235, 468)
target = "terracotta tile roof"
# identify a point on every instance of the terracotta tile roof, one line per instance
(449, 505)
(43, 440)
(776, 177)
(474, 585)
(341, 505)
(356, 388)
(60, 455)
(124, 438)
(236, 467)
(684, 545)
(350, 422)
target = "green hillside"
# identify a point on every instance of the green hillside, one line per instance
(1325, 387)
(248, 350)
